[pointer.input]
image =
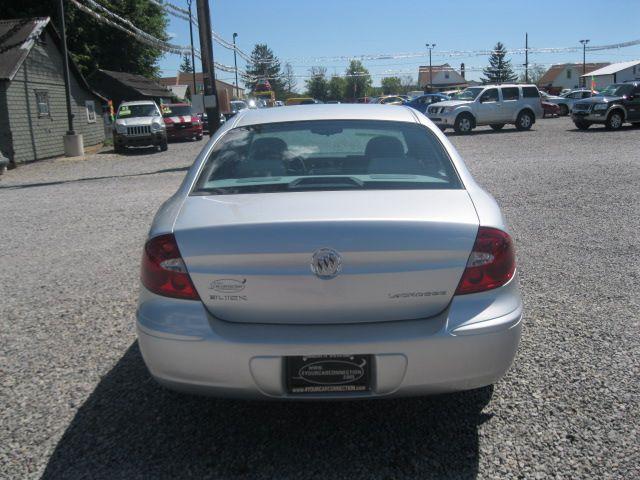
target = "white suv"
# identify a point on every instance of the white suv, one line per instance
(139, 124)
(494, 105)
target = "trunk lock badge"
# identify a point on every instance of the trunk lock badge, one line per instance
(326, 263)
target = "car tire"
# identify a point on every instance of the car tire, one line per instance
(497, 126)
(164, 146)
(524, 121)
(564, 110)
(614, 120)
(199, 137)
(464, 123)
(582, 125)
(119, 149)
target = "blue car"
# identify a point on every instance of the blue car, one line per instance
(423, 101)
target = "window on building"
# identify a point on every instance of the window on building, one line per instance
(446, 74)
(42, 102)
(568, 73)
(91, 111)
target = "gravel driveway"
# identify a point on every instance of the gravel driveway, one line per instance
(77, 402)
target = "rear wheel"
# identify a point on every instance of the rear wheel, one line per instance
(582, 125)
(564, 110)
(524, 120)
(464, 123)
(614, 120)
(497, 126)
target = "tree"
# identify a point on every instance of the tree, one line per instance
(289, 79)
(408, 84)
(317, 85)
(264, 66)
(535, 74)
(186, 66)
(499, 69)
(391, 85)
(337, 86)
(358, 80)
(93, 44)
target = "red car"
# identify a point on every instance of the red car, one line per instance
(550, 109)
(181, 122)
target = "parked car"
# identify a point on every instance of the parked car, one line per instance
(390, 100)
(549, 109)
(566, 101)
(236, 106)
(285, 268)
(422, 102)
(139, 124)
(181, 122)
(205, 121)
(299, 101)
(278, 103)
(616, 104)
(493, 105)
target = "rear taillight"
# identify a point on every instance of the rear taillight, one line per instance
(492, 262)
(164, 271)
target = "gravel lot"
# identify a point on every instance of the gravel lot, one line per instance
(77, 402)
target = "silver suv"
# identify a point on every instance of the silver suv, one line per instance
(493, 105)
(139, 124)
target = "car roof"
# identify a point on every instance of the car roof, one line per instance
(509, 85)
(341, 111)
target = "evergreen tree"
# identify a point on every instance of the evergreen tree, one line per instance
(499, 69)
(93, 44)
(186, 66)
(264, 66)
(317, 85)
(358, 80)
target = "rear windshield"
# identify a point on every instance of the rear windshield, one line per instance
(327, 155)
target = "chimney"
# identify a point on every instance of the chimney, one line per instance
(462, 69)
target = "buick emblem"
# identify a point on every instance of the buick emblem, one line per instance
(326, 263)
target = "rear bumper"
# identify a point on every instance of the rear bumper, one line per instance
(469, 345)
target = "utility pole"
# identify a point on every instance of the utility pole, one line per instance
(211, 104)
(193, 57)
(235, 63)
(526, 58)
(73, 144)
(430, 47)
(584, 60)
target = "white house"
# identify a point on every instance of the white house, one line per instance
(444, 77)
(614, 73)
(566, 75)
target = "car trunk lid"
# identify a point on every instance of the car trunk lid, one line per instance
(403, 253)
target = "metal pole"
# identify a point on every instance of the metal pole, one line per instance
(584, 60)
(193, 57)
(526, 58)
(235, 63)
(430, 46)
(65, 68)
(211, 104)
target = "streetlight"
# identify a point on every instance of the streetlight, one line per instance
(193, 58)
(584, 60)
(430, 47)
(235, 63)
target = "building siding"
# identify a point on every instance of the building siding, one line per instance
(36, 137)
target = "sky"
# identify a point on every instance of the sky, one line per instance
(302, 32)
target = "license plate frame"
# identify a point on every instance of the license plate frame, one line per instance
(326, 374)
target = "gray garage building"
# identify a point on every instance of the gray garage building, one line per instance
(33, 111)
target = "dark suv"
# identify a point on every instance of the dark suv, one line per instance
(613, 106)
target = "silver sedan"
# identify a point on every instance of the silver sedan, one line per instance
(328, 252)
